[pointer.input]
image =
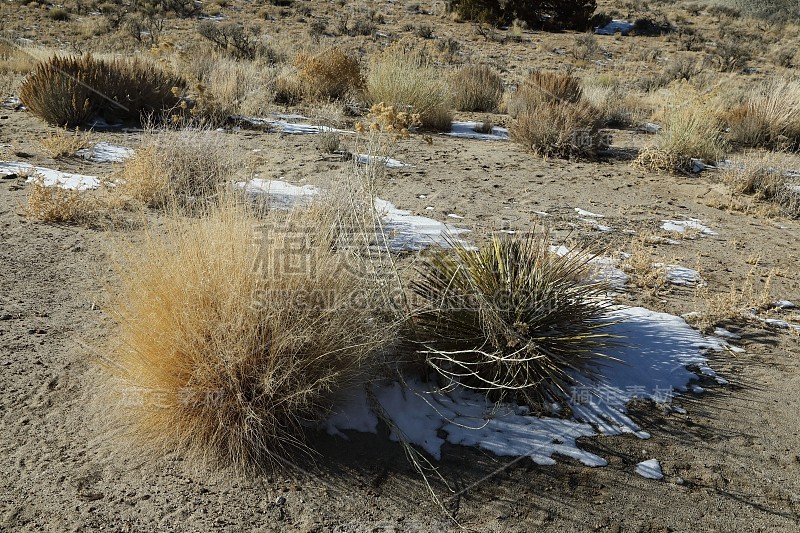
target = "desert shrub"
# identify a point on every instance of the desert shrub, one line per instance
(231, 37)
(769, 178)
(544, 87)
(769, 116)
(587, 47)
(772, 10)
(681, 69)
(329, 75)
(476, 88)
(58, 14)
(559, 129)
(688, 133)
(236, 332)
(512, 319)
(180, 168)
(69, 91)
(729, 55)
(407, 80)
(569, 14)
(615, 103)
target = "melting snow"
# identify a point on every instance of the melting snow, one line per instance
(285, 126)
(650, 469)
(585, 213)
(680, 275)
(104, 152)
(388, 162)
(52, 178)
(680, 226)
(466, 130)
(652, 365)
(622, 26)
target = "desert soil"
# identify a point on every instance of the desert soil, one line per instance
(731, 462)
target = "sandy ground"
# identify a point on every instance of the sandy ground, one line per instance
(731, 462)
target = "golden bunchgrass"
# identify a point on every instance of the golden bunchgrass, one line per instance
(63, 143)
(769, 116)
(58, 205)
(476, 88)
(235, 332)
(407, 80)
(329, 75)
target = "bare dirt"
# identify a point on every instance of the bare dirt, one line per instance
(732, 462)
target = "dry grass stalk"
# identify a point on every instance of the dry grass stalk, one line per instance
(329, 75)
(62, 143)
(58, 205)
(177, 168)
(769, 117)
(544, 87)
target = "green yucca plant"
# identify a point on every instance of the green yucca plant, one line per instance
(513, 318)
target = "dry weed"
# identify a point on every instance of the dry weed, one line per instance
(329, 75)
(476, 88)
(769, 116)
(559, 129)
(62, 143)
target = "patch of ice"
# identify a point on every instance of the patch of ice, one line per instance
(785, 304)
(51, 177)
(104, 152)
(651, 469)
(585, 213)
(284, 126)
(453, 215)
(466, 130)
(652, 364)
(725, 334)
(680, 275)
(407, 232)
(282, 193)
(680, 226)
(623, 27)
(600, 227)
(605, 269)
(388, 162)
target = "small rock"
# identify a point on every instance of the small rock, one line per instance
(280, 500)
(11, 176)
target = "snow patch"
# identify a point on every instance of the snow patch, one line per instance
(680, 275)
(388, 162)
(51, 177)
(585, 213)
(623, 27)
(104, 152)
(651, 469)
(680, 226)
(466, 130)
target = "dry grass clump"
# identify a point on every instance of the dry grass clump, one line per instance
(408, 81)
(58, 205)
(234, 332)
(544, 87)
(476, 88)
(553, 119)
(559, 129)
(689, 132)
(733, 305)
(62, 143)
(184, 167)
(645, 271)
(513, 318)
(618, 106)
(769, 177)
(769, 116)
(69, 91)
(329, 75)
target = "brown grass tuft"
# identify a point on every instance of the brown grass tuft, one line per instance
(58, 205)
(769, 117)
(69, 91)
(407, 80)
(544, 87)
(230, 345)
(559, 129)
(476, 88)
(329, 75)
(62, 143)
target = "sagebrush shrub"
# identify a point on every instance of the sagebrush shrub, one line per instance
(571, 14)
(476, 88)
(408, 81)
(69, 91)
(329, 75)
(559, 129)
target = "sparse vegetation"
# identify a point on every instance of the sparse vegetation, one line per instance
(329, 75)
(769, 116)
(62, 143)
(769, 177)
(235, 341)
